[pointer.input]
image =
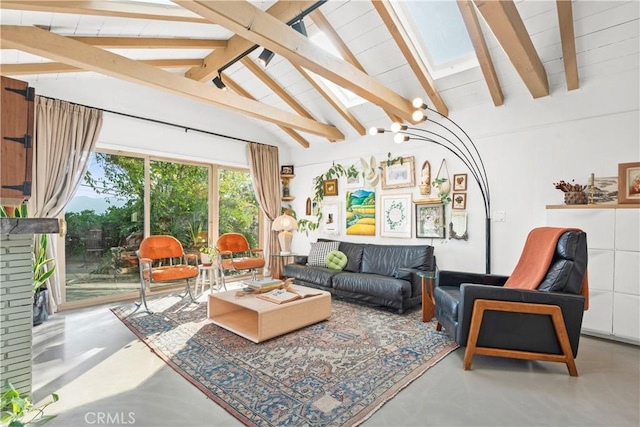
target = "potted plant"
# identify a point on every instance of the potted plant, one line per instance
(42, 271)
(18, 410)
(208, 254)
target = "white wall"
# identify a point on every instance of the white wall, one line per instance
(526, 146)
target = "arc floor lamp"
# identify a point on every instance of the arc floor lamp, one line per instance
(450, 135)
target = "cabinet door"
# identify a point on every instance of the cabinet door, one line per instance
(597, 223)
(628, 229)
(626, 316)
(600, 269)
(627, 272)
(599, 317)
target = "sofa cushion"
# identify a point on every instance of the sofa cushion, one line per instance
(353, 251)
(336, 260)
(372, 284)
(320, 275)
(386, 259)
(319, 251)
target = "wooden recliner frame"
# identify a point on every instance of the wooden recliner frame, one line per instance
(482, 305)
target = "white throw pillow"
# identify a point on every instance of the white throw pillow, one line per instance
(319, 251)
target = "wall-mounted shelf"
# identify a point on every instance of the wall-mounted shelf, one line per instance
(596, 206)
(285, 178)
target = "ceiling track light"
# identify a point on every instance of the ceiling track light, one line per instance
(217, 81)
(299, 27)
(265, 57)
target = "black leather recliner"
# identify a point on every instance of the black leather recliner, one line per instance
(542, 324)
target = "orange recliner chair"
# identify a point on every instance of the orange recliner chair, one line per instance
(167, 250)
(235, 255)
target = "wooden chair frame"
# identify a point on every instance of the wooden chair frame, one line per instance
(482, 305)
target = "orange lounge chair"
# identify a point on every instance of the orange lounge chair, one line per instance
(235, 255)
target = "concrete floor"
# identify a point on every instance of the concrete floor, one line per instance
(105, 376)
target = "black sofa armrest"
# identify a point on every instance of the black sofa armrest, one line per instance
(456, 278)
(516, 330)
(411, 276)
(300, 259)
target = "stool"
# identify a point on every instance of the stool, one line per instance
(208, 275)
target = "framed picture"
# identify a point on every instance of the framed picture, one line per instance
(399, 174)
(355, 182)
(360, 216)
(605, 191)
(460, 182)
(330, 187)
(629, 182)
(331, 218)
(286, 170)
(459, 201)
(396, 215)
(430, 221)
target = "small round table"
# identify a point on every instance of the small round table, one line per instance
(278, 273)
(208, 274)
(428, 301)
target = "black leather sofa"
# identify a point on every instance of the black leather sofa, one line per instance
(379, 275)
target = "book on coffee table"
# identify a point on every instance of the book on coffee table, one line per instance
(263, 283)
(292, 293)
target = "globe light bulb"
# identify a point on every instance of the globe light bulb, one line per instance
(400, 138)
(374, 131)
(418, 116)
(397, 127)
(417, 103)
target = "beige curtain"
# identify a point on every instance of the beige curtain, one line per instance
(264, 165)
(65, 134)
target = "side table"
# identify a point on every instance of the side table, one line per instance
(428, 302)
(208, 274)
(277, 274)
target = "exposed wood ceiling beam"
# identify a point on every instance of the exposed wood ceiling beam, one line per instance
(106, 8)
(276, 88)
(482, 52)
(283, 10)
(401, 38)
(59, 67)
(249, 22)
(231, 84)
(323, 90)
(507, 26)
(323, 24)
(565, 19)
(59, 48)
(151, 42)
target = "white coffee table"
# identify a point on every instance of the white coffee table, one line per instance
(258, 320)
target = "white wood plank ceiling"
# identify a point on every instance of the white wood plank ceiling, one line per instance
(525, 45)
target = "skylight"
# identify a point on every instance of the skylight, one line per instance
(348, 98)
(439, 34)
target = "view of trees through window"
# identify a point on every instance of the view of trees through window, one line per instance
(105, 218)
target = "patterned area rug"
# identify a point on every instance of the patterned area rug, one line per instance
(337, 372)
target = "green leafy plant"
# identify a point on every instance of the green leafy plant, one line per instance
(393, 161)
(209, 250)
(41, 271)
(14, 211)
(444, 197)
(18, 410)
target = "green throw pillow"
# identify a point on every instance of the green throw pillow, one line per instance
(336, 260)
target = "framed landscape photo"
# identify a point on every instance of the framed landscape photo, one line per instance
(355, 182)
(430, 221)
(286, 170)
(629, 182)
(396, 215)
(605, 191)
(399, 174)
(459, 201)
(330, 187)
(460, 182)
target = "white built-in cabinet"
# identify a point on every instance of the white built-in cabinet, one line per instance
(613, 239)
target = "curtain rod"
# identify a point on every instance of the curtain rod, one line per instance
(162, 122)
